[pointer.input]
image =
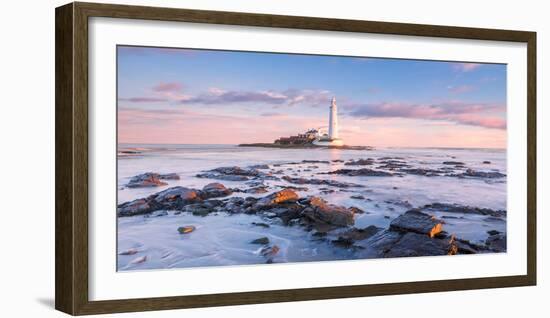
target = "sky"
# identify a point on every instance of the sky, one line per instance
(188, 96)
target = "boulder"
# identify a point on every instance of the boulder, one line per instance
(456, 208)
(482, 174)
(262, 240)
(361, 172)
(360, 162)
(215, 190)
(413, 244)
(284, 195)
(496, 243)
(148, 179)
(136, 207)
(322, 212)
(186, 229)
(417, 222)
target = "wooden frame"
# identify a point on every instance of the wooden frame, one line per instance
(71, 260)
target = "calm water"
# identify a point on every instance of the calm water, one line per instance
(221, 239)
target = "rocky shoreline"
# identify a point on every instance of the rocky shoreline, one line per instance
(417, 232)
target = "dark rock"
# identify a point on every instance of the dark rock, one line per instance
(175, 198)
(262, 240)
(413, 244)
(422, 172)
(186, 229)
(405, 203)
(136, 207)
(357, 197)
(417, 222)
(331, 183)
(203, 208)
(361, 172)
(456, 208)
(355, 234)
(257, 190)
(486, 162)
(481, 174)
(454, 163)
(260, 224)
(169, 176)
(322, 212)
(493, 232)
(315, 161)
(215, 190)
(259, 167)
(148, 179)
(270, 251)
(360, 162)
(496, 243)
(230, 174)
(285, 195)
(356, 210)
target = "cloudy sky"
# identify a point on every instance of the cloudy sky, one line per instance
(183, 96)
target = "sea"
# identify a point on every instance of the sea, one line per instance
(221, 239)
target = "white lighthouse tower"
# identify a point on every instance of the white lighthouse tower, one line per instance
(333, 137)
(333, 120)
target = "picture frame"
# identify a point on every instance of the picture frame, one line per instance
(72, 280)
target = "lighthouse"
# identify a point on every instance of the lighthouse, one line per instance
(332, 138)
(333, 120)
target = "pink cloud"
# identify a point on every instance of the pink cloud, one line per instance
(168, 87)
(488, 116)
(466, 67)
(143, 100)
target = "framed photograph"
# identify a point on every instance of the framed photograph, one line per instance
(211, 158)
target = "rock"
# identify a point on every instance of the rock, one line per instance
(332, 183)
(131, 251)
(262, 240)
(169, 176)
(287, 211)
(259, 167)
(231, 174)
(157, 214)
(139, 260)
(454, 163)
(493, 232)
(257, 190)
(360, 162)
(361, 172)
(356, 210)
(215, 190)
(315, 161)
(177, 195)
(486, 162)
(260, 224)
(136, 207)
(357, 197)
(186, 229)
(413, 244)
(482, 174)
(203, 208)
(277, 197)
(496, 243)
(417, 222)
(148, 179)
(270, 251)
(405, 203)
(322, 212)
(356, 234)
(422, 172)
(456, 208)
